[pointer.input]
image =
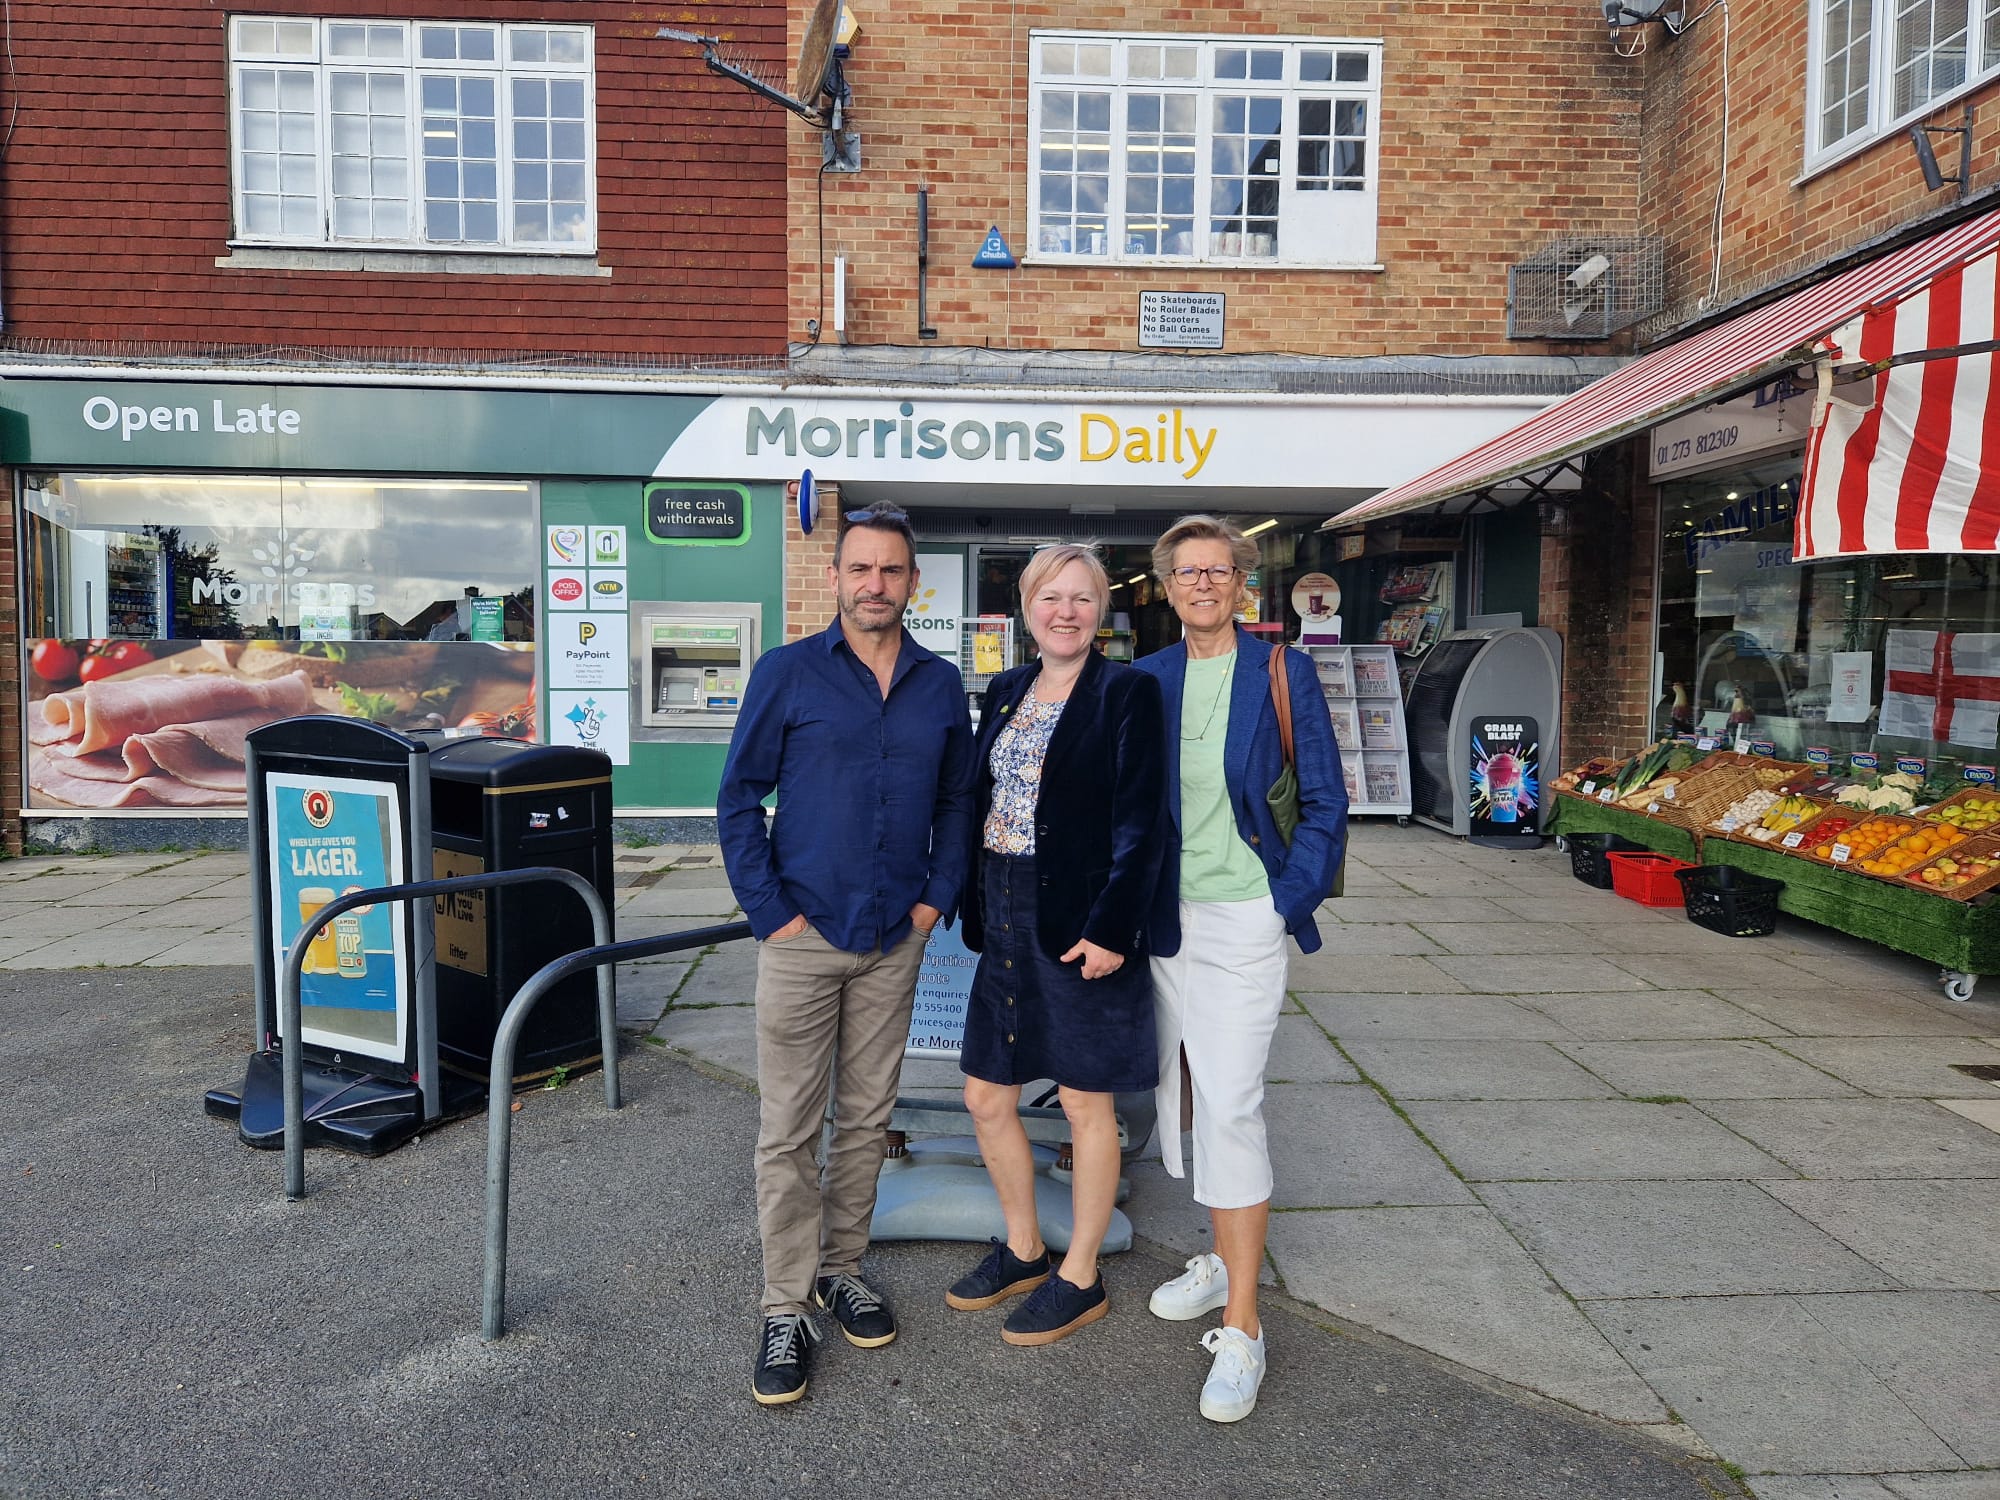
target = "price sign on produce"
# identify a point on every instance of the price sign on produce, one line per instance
(1589, 788)
(1793, 840)
(1841, 853)
(1706, 742)
(1669, 792)
(1728, 825)
(1607, 794)
(1652, 807)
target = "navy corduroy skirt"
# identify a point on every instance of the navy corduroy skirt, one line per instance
(1031, 1018)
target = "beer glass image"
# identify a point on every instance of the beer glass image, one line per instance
(323, 956)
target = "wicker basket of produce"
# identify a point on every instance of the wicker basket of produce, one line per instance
(1969, 868)
(1590, 770)
(1787, 812)
(1919, 847)
(1706, 797)
(1971, 811)
(1843, 843)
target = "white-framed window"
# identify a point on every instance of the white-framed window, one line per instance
(429, 135)
(1877, 65)
(1207, 149)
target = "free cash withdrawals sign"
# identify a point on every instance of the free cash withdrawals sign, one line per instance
(331, 835)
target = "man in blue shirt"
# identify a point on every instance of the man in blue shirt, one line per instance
(865, 738)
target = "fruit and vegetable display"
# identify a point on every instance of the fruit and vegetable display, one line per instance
(1862, 840)
(1895, 792)
(1748, 809)
(1973, 812)
(1953, 872)
(1906, 854)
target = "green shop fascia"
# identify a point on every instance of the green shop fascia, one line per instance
(424, 554)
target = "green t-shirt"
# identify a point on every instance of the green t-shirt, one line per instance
(1216, 865)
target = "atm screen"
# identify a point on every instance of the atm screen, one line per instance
(697, 656)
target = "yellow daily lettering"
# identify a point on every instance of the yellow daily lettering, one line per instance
(1101, 438)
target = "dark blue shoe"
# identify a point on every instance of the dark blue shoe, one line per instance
(1055, 1310)
(1001, 1275)
(862, 1317)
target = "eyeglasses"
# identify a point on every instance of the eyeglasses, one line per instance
(1188, 577)
(888, 515)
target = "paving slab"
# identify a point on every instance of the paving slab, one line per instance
(1938, 1235)
(102, 949)
(1897, 1067)
(1980, 1486)
(1342, 939)
(1864, 1137)
(1371, 973)
(1475, 1070)
(1650, 1015)
(1369, 1016)
(1982, 1112)
(723, 1036)
(644, 991)
(1300, 1053)
(210, 949)
(727, 976)
(1495, 937)
(1833, 1011)
(1765, 1382)
(677, 901)
(51, 920)
(1422, 910)
(65, 884)
(1675, 1239)
(1821, 1487)
(1881, 967)
(1705, 1070)
(1452, 1280)
(1935, 1351)
(145, 890)
(1650, 935)
(1701, 971)
(1341, 1146)
(1539, 974)
(1588, 1140)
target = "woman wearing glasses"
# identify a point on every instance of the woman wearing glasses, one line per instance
(1070, 826)
(1219, 959)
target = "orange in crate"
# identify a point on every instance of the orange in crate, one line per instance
(1906, 854)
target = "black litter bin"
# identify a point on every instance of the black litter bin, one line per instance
(499, 804)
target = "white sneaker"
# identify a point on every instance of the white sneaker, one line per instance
(1203, 1287)
(1233, 1379)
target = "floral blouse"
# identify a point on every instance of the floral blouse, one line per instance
(1016, 763)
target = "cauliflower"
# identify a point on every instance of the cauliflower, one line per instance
(1854, 796)
(1901, 779)
(1891, 799)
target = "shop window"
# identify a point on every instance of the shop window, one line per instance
(416, 135)
(1878, 64)
(1837, 656)
(1189, 149)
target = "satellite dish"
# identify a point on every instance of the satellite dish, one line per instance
(816, 52)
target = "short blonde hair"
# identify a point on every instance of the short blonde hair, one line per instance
(1242, 551)
(1049, 561)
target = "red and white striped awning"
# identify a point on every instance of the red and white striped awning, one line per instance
(1716, 363)
(1917, 468)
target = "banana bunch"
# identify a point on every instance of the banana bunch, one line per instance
(1788, 812)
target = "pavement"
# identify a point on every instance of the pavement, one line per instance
(1574, 1198)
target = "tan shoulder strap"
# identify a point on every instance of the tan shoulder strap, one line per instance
(1281, 696)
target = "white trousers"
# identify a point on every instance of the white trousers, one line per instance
(1219, 997)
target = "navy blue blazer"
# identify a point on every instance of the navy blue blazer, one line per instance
(1101, 815)
(1252, 758)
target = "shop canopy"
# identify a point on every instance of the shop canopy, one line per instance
(1929, 277)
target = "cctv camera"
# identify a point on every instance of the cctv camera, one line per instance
(1588, 272)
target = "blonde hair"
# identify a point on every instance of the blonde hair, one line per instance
(1242, 551)
(1049, 561)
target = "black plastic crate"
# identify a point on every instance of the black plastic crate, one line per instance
(1730, 901)
(1586, 856)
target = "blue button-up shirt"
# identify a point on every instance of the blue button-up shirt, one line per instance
(874, 792)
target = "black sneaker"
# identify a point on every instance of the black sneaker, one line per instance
(1055, 1310)
(783, 1358)
(858, 1311)
(1001, 1275)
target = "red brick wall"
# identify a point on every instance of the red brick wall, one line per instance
(1495, 138)
(1774, 226)
(115, 196)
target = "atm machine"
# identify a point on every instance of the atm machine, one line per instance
(692, 663)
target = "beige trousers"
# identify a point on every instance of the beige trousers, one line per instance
(824, 1017)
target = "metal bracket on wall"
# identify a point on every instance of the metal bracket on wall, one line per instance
(924, 329)
(840, 151)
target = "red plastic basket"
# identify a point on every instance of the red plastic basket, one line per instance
(1649, 879)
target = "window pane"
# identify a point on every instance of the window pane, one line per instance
(297, 38)
(259, 37)
(1142, 62)
(1315, 67)
(1315, 117)
(1267, 63)
(1142, 112)
(1093, 62)
(568, 46)
(528, 46)
(1183, 62)
(1059, 58)
(482, 223)
(439, 42)
(347, 41)
(1352, 67)
(1928, 56)
(1350, 117)
(1058, 110)
(1232, 62)
(1266, 116)
(1093, 112)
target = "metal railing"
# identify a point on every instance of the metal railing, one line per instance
(499, 1102)
(290, 1008)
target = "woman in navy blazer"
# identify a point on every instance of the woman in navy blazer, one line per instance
(1068, 830)
(1230, 892)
